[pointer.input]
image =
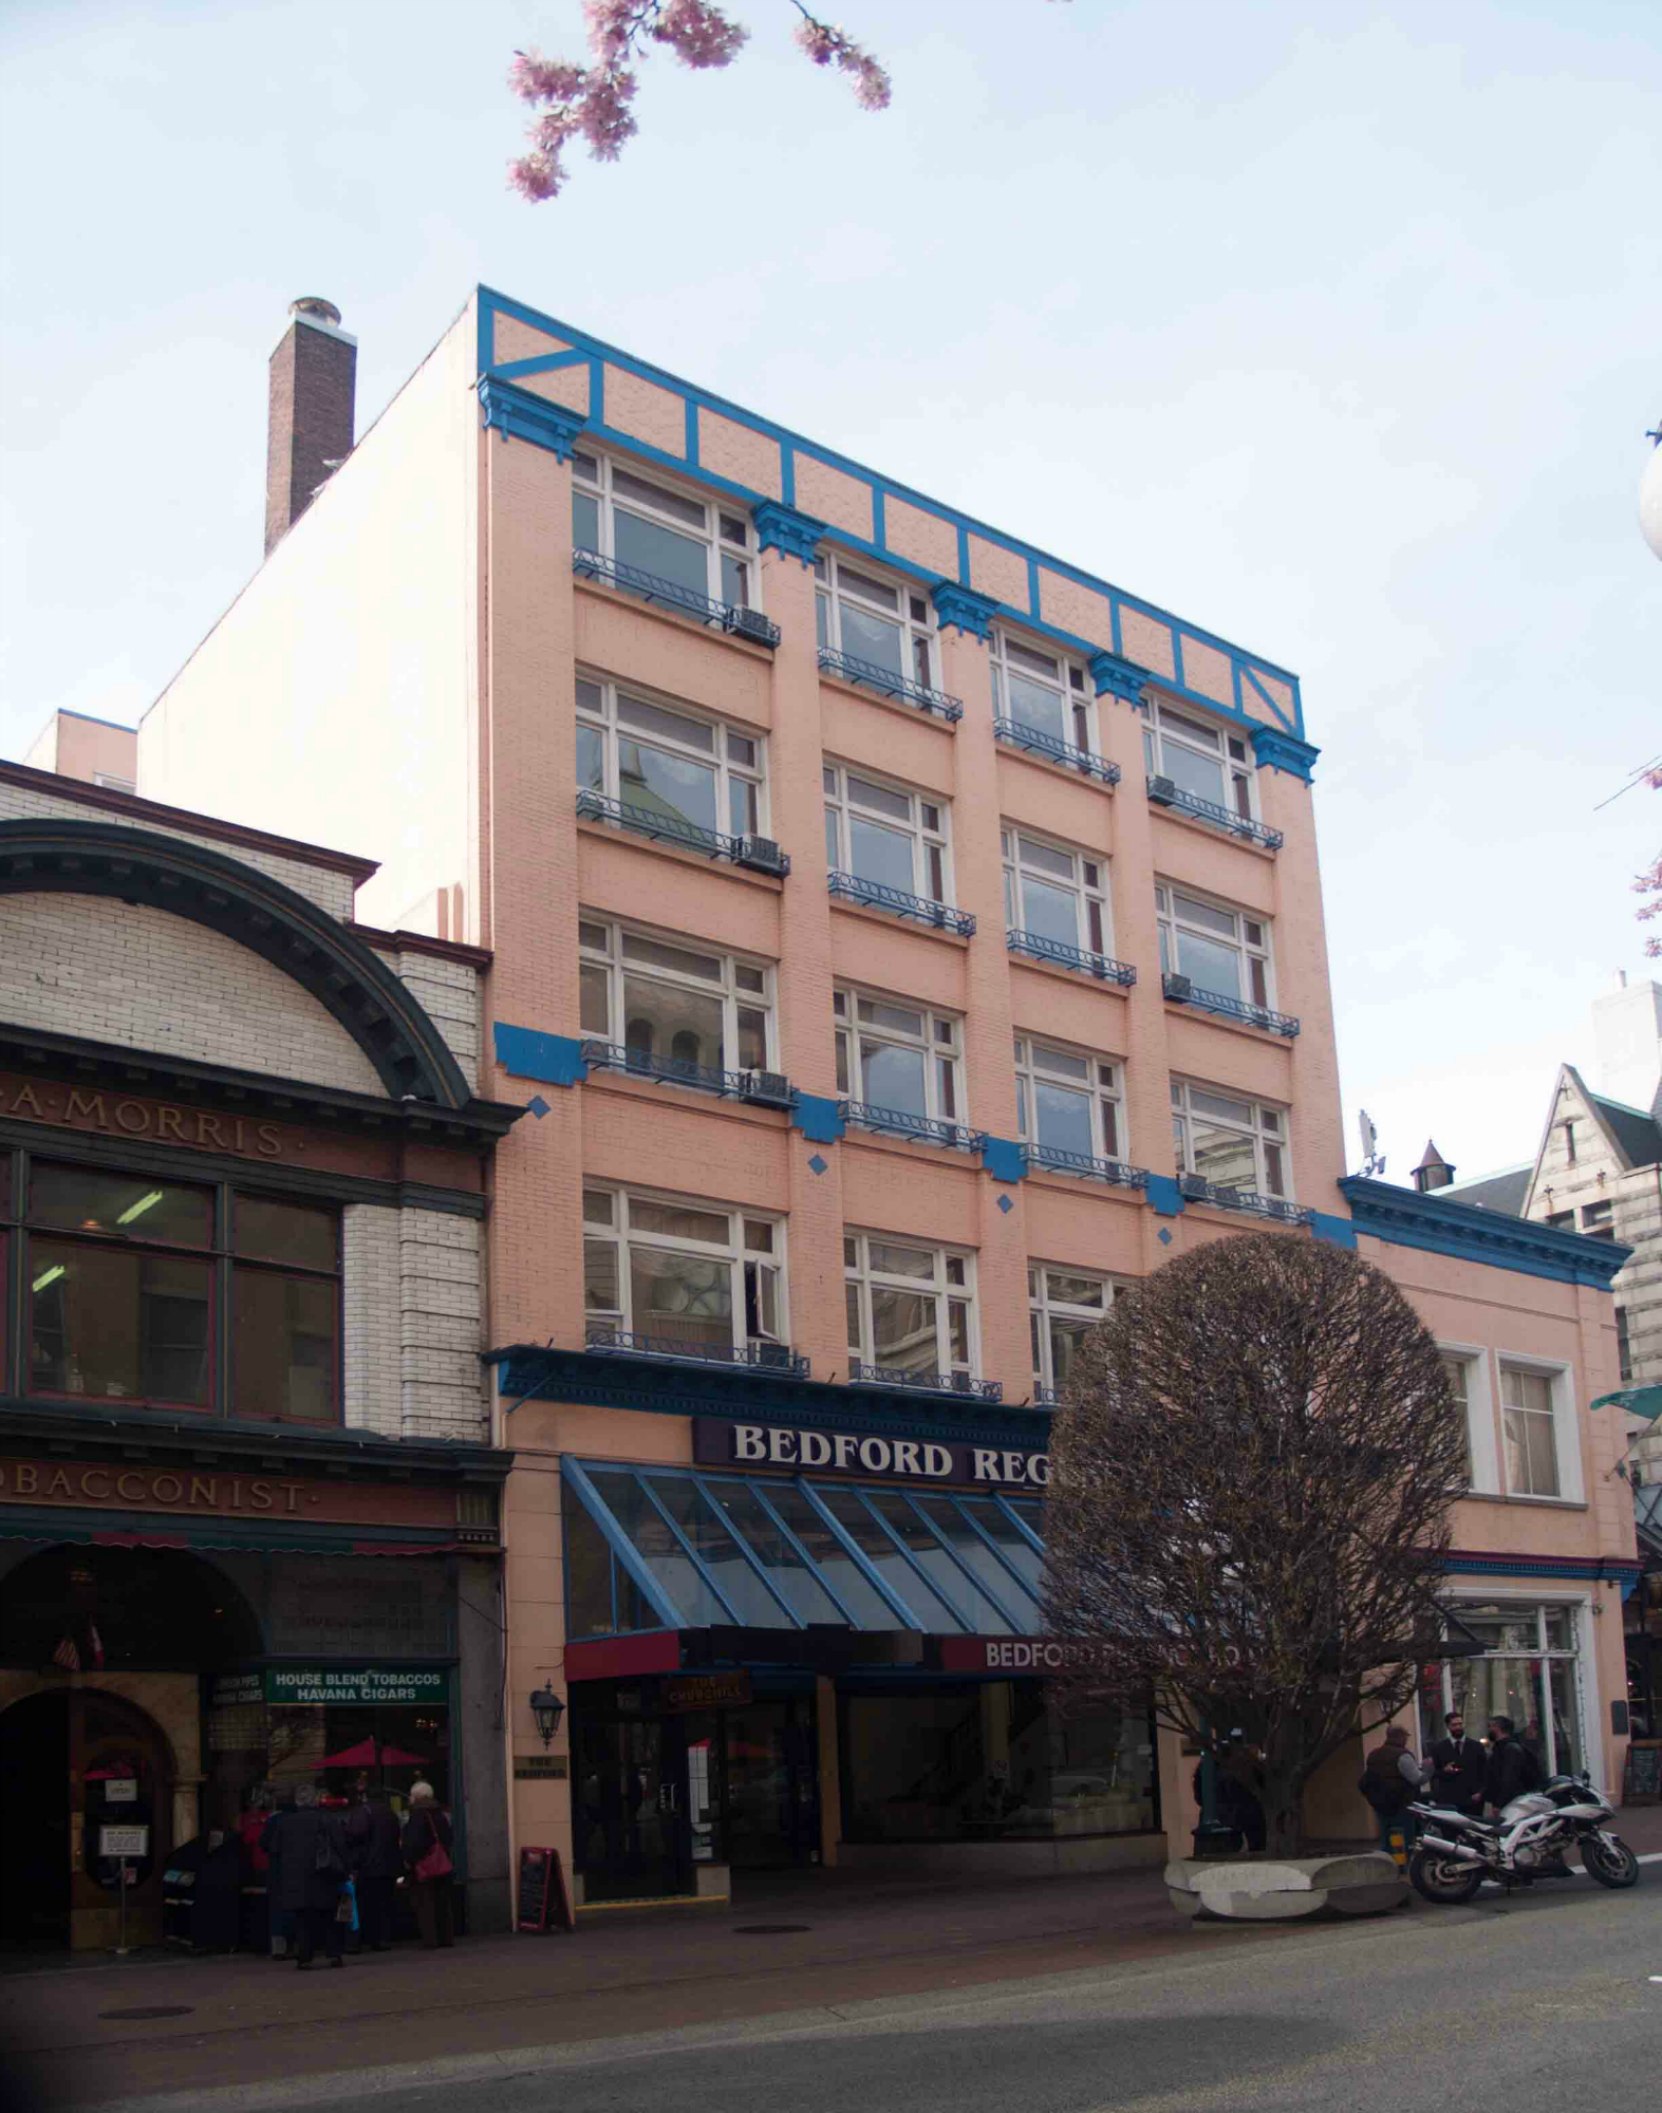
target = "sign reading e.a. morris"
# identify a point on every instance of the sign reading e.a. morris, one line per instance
(353, 1684)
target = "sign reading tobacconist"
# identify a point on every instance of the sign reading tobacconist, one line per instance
(866, 1456)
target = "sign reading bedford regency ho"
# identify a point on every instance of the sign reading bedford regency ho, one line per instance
(866, 1455)
(216, 1494)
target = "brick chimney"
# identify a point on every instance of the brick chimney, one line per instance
(314, 374)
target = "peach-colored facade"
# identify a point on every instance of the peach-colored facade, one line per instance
(403, 672)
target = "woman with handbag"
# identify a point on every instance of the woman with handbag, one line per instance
(428, 1841)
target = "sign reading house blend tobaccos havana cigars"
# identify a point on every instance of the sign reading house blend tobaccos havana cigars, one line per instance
(866, 1455)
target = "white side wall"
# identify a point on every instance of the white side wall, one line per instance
(414, 1295)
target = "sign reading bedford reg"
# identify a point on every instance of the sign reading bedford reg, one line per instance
(867, 1455)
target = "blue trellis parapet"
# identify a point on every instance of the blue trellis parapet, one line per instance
(917, 909)
(1103, 966)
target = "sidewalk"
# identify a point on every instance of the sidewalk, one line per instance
(815, 1939)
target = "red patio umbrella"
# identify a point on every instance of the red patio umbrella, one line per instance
(371, 1753)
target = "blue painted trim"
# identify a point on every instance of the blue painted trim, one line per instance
(1004, 1159)
(1165, 1196)
(518, 415)
(955, 1499)
(1471, 1234)
(792, 1618)
(706, 1576)
(1618, 1568)
(1117, 677)
(545, 363)
(820, 1120)
(597, 390)
(554, 1059)
(620, 1544)
(1336, 1231)
(863, 1563)
(936, 1591)
(959, 608)
(1034, 602)
(1276, 749)
(759, 1490)
(787, 472)
(879, 519)
(1018, 1624)
(1269, 702)
(783, 529)
(491, 302)
(1016, 1520)
(690, 443)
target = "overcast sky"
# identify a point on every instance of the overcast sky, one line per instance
(1338, 340)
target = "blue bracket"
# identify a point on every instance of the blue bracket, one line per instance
(820, 1120)
(518, 415)
(555, 1059)
(1282, 751)
(962, 609)
(1116, 677)
(1004, 1159)
(782, 528)
(1164, 1195)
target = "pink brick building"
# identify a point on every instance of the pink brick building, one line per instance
(901, 938)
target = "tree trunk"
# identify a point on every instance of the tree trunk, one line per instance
(1283, 1812)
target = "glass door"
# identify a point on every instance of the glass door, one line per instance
(772, 1785)
(630, 1807)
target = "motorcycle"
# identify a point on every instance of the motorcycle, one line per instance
(1456, 1853)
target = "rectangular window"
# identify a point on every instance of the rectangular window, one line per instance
(1239, 1144)
(879, 621)
(694, 1277)
(668, 761)
(1597, 1220)
(886, 833)
(891, 1055)
(1067, 1101)
(1220, 950)
(910, 1308)
(1458, 1372)
(1056, 892)
(1530, 1431)
(1624, 1349)
(698, 544)
(1040, 691)
(285, 1311)
(670, 1004)
(1063, 1306)
(1200, 759)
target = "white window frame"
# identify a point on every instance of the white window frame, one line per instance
(1254, 960)
(838, 578)
(601, 706)
(1087, 883)
(726, 533)
(1042, 1305)
(1263, 1138)
(731, 987)
(1482, 1450)
(927, 823)
(1578, 1604)
(1076, 705)
(859, 1272)
(940, 1042)
(748, 1259)
(1224, 745)
(1102, 1088)
(1566, 1437)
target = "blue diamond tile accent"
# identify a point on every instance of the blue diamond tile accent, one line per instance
(1164, 1236)
(816, 1165)
(1005, 1205)
(538, 1106)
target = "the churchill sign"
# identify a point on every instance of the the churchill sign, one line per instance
(866, 1455)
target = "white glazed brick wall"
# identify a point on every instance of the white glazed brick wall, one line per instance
(123, 972)
(330, 890)
(449, 990)
(414, 1301)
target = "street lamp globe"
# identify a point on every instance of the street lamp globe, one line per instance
(1650, 495)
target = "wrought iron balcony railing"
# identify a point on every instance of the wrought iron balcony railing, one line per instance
(1014, 735)
(778, 1358)
(1199, 1190)
(760, 853)
(1165, 793)
(768, 1089)
(923, 1129)
(1046, 1397)
(1182, 992)
(864, 1375)
(1113, 1171)
(651, 587)
(872, 675)
(1102, 966)
(918, 908)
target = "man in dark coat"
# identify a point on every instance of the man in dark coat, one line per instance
(1512, 1769)
(1459, 1767)
(377, 1865)
(309, 1864)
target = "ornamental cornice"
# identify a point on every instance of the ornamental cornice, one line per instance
(518, 414)
(960, 608)
(1279, 750)
(782, 528)
(1117, 677)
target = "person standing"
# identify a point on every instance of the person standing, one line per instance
(1391, 1780)
(1459, 1767)
(282, 1926)
(1512, 1768)
(428, 1842)
(308, 1850)
(377, 1866)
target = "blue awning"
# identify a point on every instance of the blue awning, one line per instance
(694, 1550)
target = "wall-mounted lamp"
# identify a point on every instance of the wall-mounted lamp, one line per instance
(548, 1709)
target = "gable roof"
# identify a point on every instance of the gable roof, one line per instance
(1506, 1191)
(1636, 1135)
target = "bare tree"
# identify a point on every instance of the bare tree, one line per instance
(1251, 1482)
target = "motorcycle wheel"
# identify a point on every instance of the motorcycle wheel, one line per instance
(1445, 1880)
(1610, 1861)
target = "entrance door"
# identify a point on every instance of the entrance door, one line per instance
(630, 1807)
(772, 1785)
(35, 1821)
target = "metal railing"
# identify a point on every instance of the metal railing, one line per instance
(1114, 1171)
(864, 1375)
(779, 1358)
(652, 587)
(918, 908)
(1199, 1190)
(672, 829)
(770, 1088)
(923, 1129)
(1015, 735)
(872, 675)
(1165, 792)
(1102, 966)
(1182, 992)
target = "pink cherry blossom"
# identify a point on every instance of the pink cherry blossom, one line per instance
(699, 35)
(827, 45)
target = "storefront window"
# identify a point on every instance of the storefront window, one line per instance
(1529, 1673)
(992, 1762)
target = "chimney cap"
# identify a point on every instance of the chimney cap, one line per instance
(315, 309)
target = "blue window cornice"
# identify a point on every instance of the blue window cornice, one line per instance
(1276, 749)
(1467, 1231)
(519, 415)
(782, 528)
(959, 608)
(1118, 677)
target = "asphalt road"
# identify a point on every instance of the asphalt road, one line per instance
(1550, 2000)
